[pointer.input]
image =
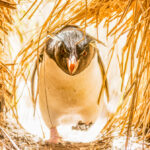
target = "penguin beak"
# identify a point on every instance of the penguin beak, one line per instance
(72, 64)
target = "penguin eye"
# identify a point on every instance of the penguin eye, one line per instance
(62, 49)
(84, 53)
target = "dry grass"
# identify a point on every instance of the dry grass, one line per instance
(6, 19)
(133, 18)
(7, 10)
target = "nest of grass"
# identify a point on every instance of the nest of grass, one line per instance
(132, 18)
(13, 137)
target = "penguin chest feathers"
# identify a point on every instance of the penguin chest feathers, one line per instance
(64, 93)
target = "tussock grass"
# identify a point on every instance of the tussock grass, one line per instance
(132, 17)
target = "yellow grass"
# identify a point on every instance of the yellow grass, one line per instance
(133, 18)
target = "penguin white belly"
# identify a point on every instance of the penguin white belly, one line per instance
(62, 95)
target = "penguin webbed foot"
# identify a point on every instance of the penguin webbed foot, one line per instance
(55, 138)
(82, 126)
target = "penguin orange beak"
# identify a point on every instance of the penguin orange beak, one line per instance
(72, 64)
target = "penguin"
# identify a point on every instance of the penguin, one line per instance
(71, 80)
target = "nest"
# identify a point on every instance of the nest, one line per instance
(13, 137)
(132, 18)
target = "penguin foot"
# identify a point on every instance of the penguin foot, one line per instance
(55, 138)
(82, 126)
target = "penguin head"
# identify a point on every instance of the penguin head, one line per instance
(71, 50)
